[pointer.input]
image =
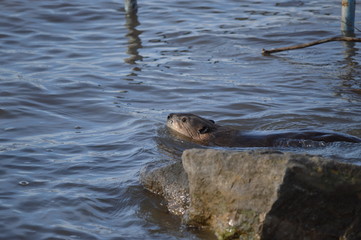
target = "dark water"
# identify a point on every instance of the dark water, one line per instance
(85, 90)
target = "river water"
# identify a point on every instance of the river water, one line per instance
(85, 91)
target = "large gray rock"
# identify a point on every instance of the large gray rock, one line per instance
(264, 195)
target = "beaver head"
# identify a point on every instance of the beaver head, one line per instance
(192, 126)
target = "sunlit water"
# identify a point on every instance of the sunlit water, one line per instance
(85, 91)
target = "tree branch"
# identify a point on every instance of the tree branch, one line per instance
(347, 39)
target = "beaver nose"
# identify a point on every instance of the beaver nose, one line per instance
(170, 116)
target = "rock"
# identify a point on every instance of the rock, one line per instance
(263, 195)
(170, 181)
(232, 191)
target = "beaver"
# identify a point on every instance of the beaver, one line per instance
(207, 132)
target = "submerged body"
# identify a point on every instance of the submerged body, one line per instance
(207, 132)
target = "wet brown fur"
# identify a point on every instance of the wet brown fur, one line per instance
(207, 132)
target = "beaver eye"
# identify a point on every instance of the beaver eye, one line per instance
(184, 119)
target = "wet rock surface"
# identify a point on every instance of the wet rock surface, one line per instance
(170, 181)
(260, 194)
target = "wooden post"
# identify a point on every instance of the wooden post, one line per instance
(348, 16)
(130, 6)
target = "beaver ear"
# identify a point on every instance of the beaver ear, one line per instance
(212, 120)
(204, 129)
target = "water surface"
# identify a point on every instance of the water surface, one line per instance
(85, 91)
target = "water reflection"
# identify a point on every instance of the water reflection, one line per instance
(350, 62)
(350, 70)
(134, 42)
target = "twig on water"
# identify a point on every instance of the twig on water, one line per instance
(347, 39)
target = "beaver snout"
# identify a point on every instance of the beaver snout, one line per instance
(170, 119)
(170, 116)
